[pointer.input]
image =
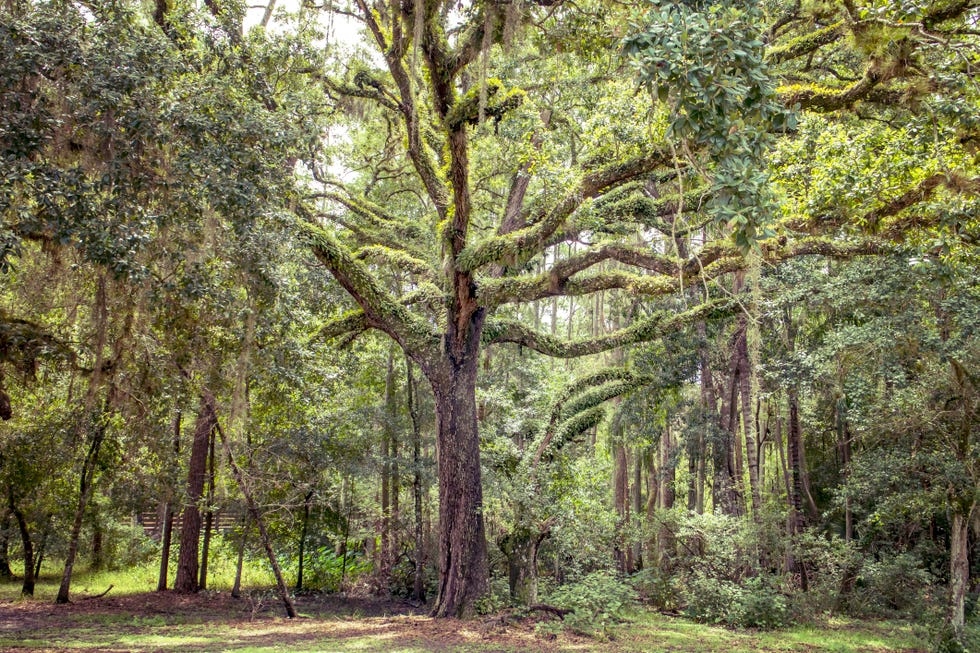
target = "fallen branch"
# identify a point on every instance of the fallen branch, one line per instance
(543, 607)
(99, 596)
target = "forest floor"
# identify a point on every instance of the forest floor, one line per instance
(213, 621)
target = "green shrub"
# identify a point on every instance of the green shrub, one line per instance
(657, 588)
(711, 600)
(756, 603)
(893, 585)
(597, 601)
(760, 605)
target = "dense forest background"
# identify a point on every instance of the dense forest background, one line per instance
(526, 302)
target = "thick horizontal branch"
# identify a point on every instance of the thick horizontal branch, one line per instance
(806, 44)
(521, 245)
(350, 322)
(651, 328)
(921, 192)
(825, 99)
(381, 310)
(397, 259)
(354, 322)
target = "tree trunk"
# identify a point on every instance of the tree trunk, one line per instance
(521, 549)
(302, 539)
(463, 572)
(236, 588)
(959, 568)
(168, 518)
(190, 530)
(253, 509)
(748, 423)
(5, 572)
(726, 481)
(622, 548)
(84, 493)
(418, 584)
(27, 546)
(387, 548)
(208, 517)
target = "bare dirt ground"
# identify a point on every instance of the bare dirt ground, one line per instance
(164, 621)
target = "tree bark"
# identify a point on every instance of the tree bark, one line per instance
(5, 572)
(168, 518)
(302, 540)
(208, 516)
(463, 571)
(85, 491)
(418, 584)
(253, 509)
(959, 568)
(27, 546)
(190, 531)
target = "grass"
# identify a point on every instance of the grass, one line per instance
(132, 618)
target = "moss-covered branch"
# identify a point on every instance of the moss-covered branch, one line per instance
(644, 330)
(398, 259)
(817, 98)
(373, 220)
(521, 245)
(806, 44)
(381, 310)
(911, 197)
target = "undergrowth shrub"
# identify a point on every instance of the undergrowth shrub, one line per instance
(893, 585)
(755, 603)
(597, 601)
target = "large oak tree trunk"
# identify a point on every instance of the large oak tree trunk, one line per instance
(463, 572)
(190, 530)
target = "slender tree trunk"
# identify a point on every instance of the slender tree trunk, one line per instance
(39, 554)
(745, 392)
(190, 530)
(5, 572)
(726, 478)
(638, 506)
(463, 571)
(27, 546)
(168, 518)
(97, 561)
(418, 584)
(84, 493)
(252, 508)
(387, 549)
(959, 567)
(236, 588)
(622, 549)
(302, 539)
(208, 516)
